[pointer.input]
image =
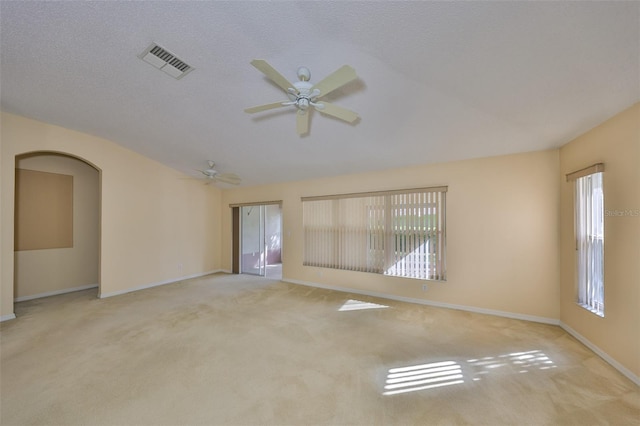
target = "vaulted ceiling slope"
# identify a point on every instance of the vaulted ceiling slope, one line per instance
(438, 81)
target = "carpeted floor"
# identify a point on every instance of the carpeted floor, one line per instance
(242, 350)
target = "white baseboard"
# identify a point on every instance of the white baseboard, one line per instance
(512, 315)
(615, 364)
(54, 293)
(7, 317)
(146, 286)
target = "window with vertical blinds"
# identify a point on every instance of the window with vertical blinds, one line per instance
(398, 233)
(589, 233)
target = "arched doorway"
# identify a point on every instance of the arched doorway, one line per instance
(56, 224)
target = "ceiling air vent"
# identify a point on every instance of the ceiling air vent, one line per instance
(166, 61)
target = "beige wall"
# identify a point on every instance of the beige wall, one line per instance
(152, 220)
(51, 270)
(502, 226)
(616, 143)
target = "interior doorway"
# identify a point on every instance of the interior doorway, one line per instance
(258, 240)
(56, 225)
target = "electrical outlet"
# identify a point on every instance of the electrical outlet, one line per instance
(424, 287)
(180, 268)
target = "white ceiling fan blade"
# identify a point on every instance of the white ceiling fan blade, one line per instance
(333, 81)
(273, 75)
(302, 123)
(337, 112)
(230, 178)
(263, 107)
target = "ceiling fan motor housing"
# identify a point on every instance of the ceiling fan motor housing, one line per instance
(210, 172)
(304, 96)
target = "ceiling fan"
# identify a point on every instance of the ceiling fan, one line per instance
(304, 95)
(212, 175)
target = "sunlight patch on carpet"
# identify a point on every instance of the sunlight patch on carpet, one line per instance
(423, 376)
(522, 362)
(446, 373)
(357, 305)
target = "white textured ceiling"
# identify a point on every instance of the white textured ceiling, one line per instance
(438, 81)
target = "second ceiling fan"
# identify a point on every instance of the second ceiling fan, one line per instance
(304, 95)
(211, 174)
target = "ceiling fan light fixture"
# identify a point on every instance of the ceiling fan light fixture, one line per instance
(303, 103)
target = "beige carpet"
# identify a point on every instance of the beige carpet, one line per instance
(242, 350)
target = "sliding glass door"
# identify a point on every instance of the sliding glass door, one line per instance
(252, 231)
(257, 239)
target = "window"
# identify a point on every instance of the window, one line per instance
(398, 233)
(589, 234)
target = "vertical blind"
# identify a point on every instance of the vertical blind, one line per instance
(589, 229)
(398, 233)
